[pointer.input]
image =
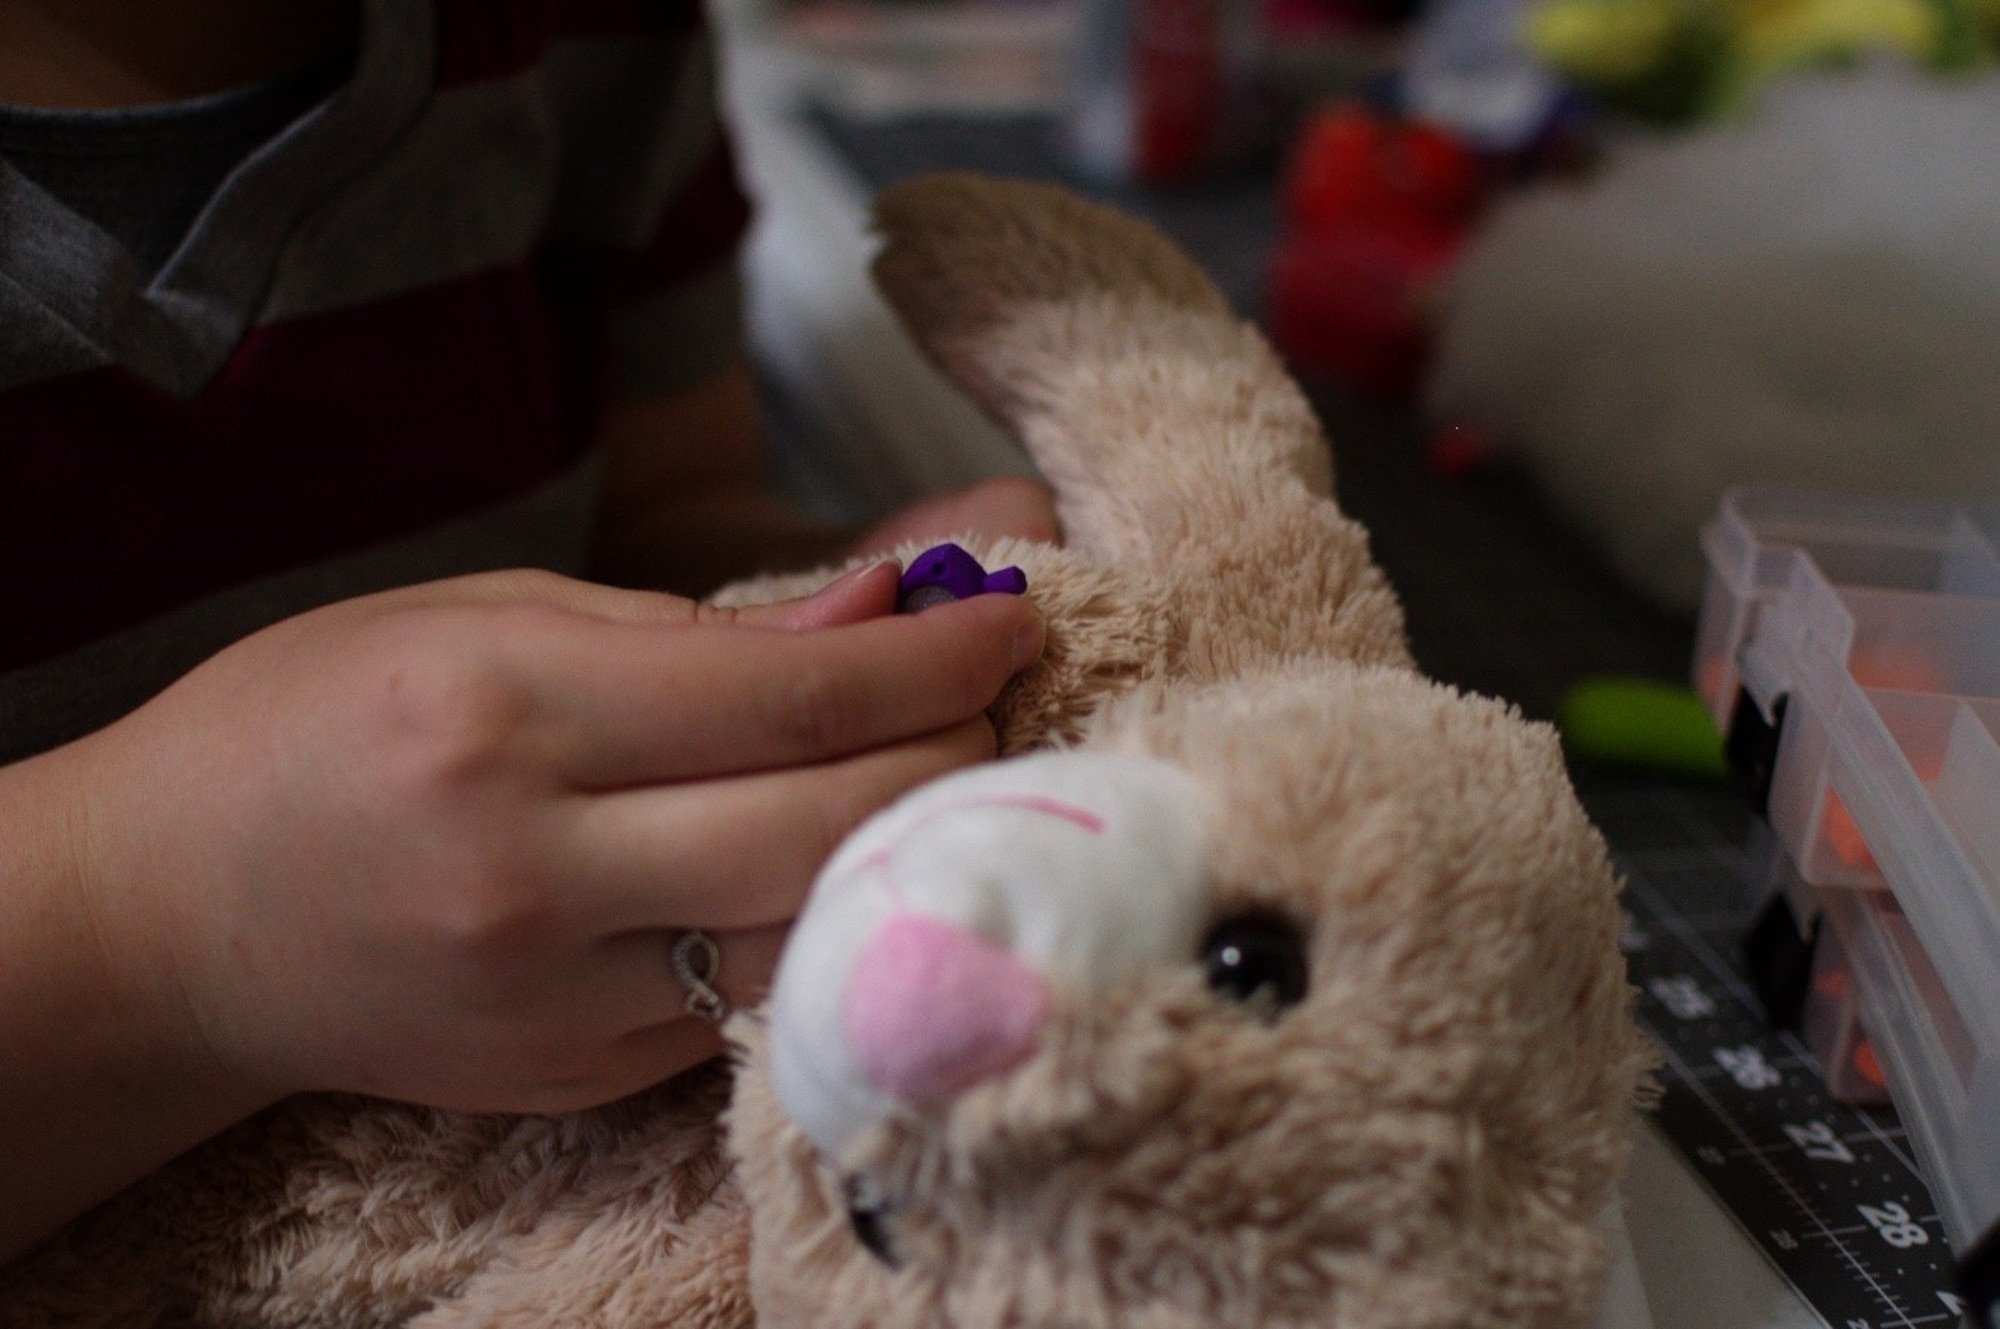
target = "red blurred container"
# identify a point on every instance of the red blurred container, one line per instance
(1349, 304)
(1377, 210)
(1352, 166)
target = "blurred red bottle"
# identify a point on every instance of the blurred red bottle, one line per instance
(1165, 90)
(1179, 88)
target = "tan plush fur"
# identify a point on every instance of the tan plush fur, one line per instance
(1426, 1140)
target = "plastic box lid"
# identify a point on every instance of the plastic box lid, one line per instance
(1872, 628)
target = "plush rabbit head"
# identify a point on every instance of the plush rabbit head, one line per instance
(1285, 991)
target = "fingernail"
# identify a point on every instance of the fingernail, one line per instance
(853, 575)
(843, 600)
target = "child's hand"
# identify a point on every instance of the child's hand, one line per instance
(434, 844)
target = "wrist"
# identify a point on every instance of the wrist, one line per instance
(149, 862)
(117, 1076)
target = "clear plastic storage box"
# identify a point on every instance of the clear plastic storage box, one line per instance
(1866, 633)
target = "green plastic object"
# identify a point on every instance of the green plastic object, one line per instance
(1642, 725)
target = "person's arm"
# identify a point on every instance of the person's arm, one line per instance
(61, 53)
(104, 1072)
(433, 844)
(687, 503)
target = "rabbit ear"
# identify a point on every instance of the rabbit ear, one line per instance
(1172, 435)
(1107, 352)
(964, 252)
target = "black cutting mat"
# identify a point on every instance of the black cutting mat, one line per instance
(1504, 599)
(1831, 1193)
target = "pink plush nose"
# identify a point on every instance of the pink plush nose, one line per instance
(933, 1009)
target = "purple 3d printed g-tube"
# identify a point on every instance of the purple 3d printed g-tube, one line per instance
(946, 572)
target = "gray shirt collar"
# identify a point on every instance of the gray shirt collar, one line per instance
(71, 297)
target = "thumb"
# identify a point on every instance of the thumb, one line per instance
(853, 597)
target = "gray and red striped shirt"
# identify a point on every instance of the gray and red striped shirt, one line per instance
(398, 319)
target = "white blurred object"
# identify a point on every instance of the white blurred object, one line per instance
(1809, 298)
(1468, 71)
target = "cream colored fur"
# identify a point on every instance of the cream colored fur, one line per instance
(1425, 1140)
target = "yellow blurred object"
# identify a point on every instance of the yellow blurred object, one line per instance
(1775, 35)
(1679, 60)
(1604, 42)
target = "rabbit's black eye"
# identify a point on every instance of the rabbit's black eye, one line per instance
(870, 1219)
(871, 1229)
(1257, 957)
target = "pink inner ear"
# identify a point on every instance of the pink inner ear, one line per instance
(933, 1009)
